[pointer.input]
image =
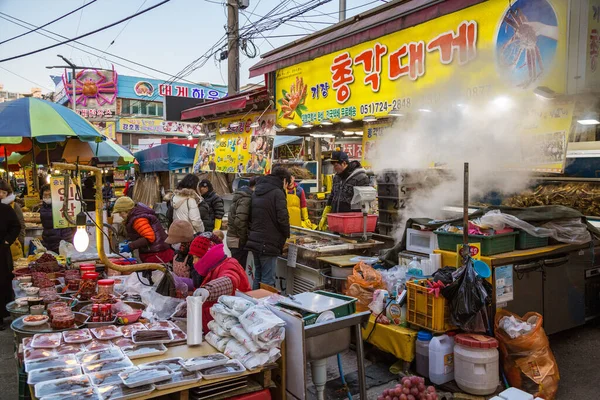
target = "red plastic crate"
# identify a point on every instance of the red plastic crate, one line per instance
(348, 223)
(260, 395)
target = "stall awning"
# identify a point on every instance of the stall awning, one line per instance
(380, 21)
(166, 157)
(237, 102)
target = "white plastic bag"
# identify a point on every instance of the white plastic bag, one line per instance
(242, 336)
(194, 320)
(264, 327)
(217, 329)
(376, 306)
(394, 277)
(236, 305)
(235, 350)
(497, 220)
(226, 321)
(162, 306)
(216, 341)
(254, 360)
(571, 230)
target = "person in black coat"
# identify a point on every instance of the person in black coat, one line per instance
(212, 208)
(10, 227)
(89, 194)
(51, 237)
(270, 226)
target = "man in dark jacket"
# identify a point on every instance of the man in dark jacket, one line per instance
(348, 174)
(239, 222)
(270, 226)
(211, 207)
(51, 237)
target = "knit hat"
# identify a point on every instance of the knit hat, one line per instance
(200, 246)
(123, 204)
(213, 237)
(180, 231)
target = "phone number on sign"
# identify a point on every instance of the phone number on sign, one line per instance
(385, 106)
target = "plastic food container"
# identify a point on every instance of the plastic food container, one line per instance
(113, 353)
(77, 336)
(146, 350)
(69, 349)
(178, 335)
(179, 378)
(50, 374)
(106, 332)
(122, 392)
(476, 363)
(106, 287)
(422, 353)
(233, 367)
(85, 268)
(126, 330)
(96, 345)
(109, 377)
(81, 394)
(152, 336)
(123, 342)
(145, 376)
(63, 321)
(51, 362)
(46, 340)
(125, 317)
(161, 325)
(107, 365)
(38, 354)
(203, 362)
(87, 287)
(173, 364)
(62, 385)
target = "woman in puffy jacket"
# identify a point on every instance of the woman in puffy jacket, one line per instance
(184, 202)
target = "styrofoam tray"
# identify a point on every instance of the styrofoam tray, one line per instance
(97, 345)
(144, 350)
(173, 363)
(77, 336)
(203, 362)
(179, 378)
(145, 376)
(208, 374)
(46, 340)
(169, 333)
(122, 392)
(83, 394)
(31, 354)
(87, 357)
(103, 366)
(51, 362)
(111, 332)
(50, 374)
(70, 384)
(109, 377)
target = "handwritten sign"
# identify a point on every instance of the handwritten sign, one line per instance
(57, 187)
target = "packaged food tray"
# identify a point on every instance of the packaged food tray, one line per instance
(62, 385)
(490, 245)
(179, 378)
(233, 367)
(204, 362)
(145, 376)
(527, 241)
(348, 223)
(425, 310)
(50, 374)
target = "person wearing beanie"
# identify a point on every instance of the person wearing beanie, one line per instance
(211, 208)
(348, 174)
(180, 236)
(144, 231)
(222, 276)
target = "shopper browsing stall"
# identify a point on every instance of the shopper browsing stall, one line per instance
(8, 197)
(52, 237)
(239, 222)
(180, 236)
(184, 202)
(144, 231)
(211, 208)
(270, 225)
(348, 174)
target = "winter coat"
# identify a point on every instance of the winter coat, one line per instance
(107, 192)
(51, 237)
(10, 200)
(343, 187)
(89, 197)
(10, 227)
(270, 226)
(185, 207)
(239, 218)
(139, 242)
(211, 208)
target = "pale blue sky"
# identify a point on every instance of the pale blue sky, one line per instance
(167, 38)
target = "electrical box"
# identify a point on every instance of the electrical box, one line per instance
(243, 4)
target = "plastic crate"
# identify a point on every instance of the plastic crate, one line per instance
(425, 310)
(527, 241)
(348, 223)
(490, 245)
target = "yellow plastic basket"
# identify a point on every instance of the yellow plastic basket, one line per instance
(425, 310)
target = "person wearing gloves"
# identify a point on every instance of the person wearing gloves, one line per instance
(348, 174)
(270, 226)
(222, 275)
(184, 202)
(296, 205)
(144, 231)
(51, 237)
(239, 222)
(8, 197)
(211, 208)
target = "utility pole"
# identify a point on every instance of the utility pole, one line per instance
(233, 49)
(342, 10)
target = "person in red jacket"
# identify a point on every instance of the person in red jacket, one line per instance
(222, 276)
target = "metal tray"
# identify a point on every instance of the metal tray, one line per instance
(313, 302)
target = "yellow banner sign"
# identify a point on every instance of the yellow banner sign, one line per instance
(240, 148)
(488, 49)
(29, 180)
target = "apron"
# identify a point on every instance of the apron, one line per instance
(293, 206)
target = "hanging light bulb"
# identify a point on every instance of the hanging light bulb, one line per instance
(81, 240)
(48, 178)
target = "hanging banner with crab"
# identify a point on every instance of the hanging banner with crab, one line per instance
(95, 93)
(498, 47)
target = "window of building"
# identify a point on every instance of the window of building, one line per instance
(142, 108)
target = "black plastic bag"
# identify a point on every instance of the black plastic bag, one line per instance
(467, 296)
(166, 286)
(444, 275)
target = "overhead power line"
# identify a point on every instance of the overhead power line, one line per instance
(28, 80)
(86, 34)
(48, 23)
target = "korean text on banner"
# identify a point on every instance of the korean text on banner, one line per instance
(57, 187)
(29, 180)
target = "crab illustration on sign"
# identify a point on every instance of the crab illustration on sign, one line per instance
(293, 101)
(527, 41)
(93, 84)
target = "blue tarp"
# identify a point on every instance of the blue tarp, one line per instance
(166, 157)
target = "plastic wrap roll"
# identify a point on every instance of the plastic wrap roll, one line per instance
(194, 320)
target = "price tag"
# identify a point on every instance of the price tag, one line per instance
(292, 256)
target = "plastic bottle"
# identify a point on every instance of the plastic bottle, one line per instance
(414, 267)
(393, 312)
(441, 359)
(422, 353)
